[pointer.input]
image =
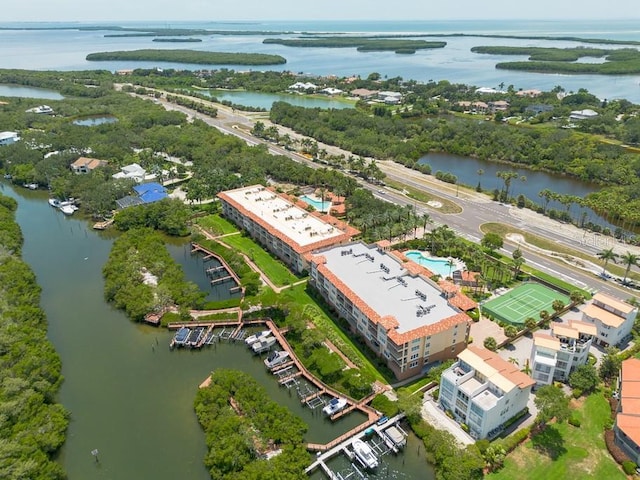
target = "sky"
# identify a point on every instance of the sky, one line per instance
(212, 10)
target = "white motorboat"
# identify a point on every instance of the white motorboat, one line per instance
(263, 345)
(334, 406)
(276, 358)
(68, 209)
(54, 202)
(256, 337)
(364, 454)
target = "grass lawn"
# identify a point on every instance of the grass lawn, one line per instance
(216, 225)
(447, 205)
(298, 296)
(277, 272)
(563, 451)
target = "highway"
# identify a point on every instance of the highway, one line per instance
(477, 209)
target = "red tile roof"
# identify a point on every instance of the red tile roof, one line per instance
(348, 231)
(628, 420)
(390, 323)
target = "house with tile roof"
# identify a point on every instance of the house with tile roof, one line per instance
(282, 225)
(612, 317)
(627, 424)
(556, 356)
(84, 165)
(483, 391)
(393, 305)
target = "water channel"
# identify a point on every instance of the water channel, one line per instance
(28, 92)
(129, 396)
(265, 100)
(466, 169)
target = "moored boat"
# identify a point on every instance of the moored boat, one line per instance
(276, 358)
(256, 337)
(334, 406)
(67, 209)
(364, 454)
(263, 345)
(54, 202)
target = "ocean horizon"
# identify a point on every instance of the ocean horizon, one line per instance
(64, 46)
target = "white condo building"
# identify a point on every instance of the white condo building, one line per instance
(483, 391)
(281, 226)
(556, 356)
(612, 317)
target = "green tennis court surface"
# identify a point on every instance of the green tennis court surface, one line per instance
(522, 302)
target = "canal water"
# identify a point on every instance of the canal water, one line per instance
(466, 169)
(129, 396)
(265, 100)
(28, 92)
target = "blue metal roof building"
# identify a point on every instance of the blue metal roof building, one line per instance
(150, 192)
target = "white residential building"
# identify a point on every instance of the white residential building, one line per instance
(134, 172)
(483, 391)
(612, 317)
(281, 226)
(392, 304)
(583, 114)
(556, 356)
(7, 138)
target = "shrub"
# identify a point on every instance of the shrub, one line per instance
(629, 467)
(577, 392)
(510, 443)
(464, 427)
(616, 452)
(575, 421)
(490, 343)
(435, 394)
(483, 445)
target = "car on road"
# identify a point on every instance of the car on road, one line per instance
(381, 192)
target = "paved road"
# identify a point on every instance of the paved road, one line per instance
(476, 209)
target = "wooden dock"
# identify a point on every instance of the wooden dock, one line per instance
(208, 254)
(103, 225)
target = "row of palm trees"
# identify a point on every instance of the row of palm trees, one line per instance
(629, 259)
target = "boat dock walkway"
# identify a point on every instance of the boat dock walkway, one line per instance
(342, 442)
(231, 275)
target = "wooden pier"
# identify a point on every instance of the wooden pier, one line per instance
(103, 225)
(208, 254)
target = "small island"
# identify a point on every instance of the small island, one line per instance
(565, 60)
(362, 44)
(177, 40)
(189, 56)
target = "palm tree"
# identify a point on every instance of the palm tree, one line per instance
(607, 255)
(514, 361)
(480, 173)
(629, 259)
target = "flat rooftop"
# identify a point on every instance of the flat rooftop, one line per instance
(381, 282)
(291, 221)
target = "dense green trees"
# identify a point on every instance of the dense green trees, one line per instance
(242, 425)
(32, 426)
(140, 276)
(190, 56)
(168, 215)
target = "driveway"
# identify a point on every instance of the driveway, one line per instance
(486, 328)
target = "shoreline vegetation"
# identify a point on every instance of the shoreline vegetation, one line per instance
(622, 61)
(33, 424)
(362, 44)
(189, 56)
(178, 40)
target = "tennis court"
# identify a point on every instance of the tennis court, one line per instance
(522, 302)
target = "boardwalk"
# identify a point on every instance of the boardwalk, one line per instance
(208, 254)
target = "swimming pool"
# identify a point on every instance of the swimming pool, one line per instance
(317, 204)
(439, 266)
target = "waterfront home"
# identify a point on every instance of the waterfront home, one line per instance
(391, 303)
(41, 109)
(364, 93)
(627, 423)
(612, 317)
(583, 114)
(7, 138)
(144, 193)
(531, 93)
(498, 106)
(84, 165)
(483, 391)
(556, 356)
(133, 172)
(281, 225)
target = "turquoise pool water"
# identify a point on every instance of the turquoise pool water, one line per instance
(436, 265)
(317, 204)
